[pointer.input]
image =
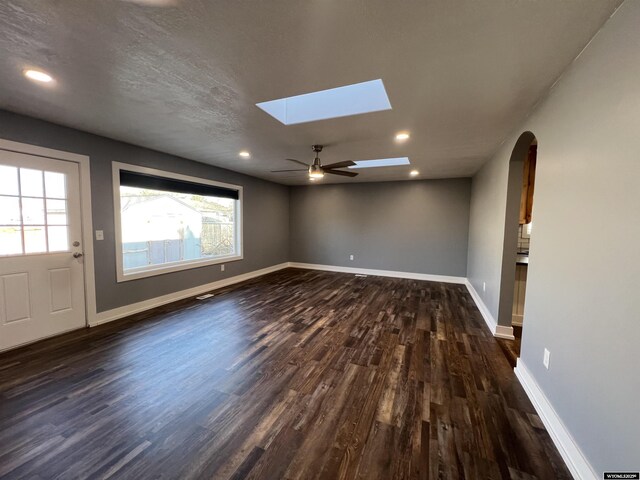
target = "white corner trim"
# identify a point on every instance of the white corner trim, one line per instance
(577, 463)
(379, 273)
(125, 311)
(499, 331)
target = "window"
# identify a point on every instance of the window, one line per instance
(167, 222)
(337, 102)
(33, 211)
(382, 162)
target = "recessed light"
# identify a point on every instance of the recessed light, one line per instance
(244, 154)
(38, 76)
(402, 136)
(413, 173)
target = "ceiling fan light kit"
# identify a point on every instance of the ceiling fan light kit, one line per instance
(317, 170)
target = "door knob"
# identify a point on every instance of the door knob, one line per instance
(77, 255)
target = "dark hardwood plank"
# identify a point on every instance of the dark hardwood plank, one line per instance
(297, 375)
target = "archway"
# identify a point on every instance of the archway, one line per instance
(523, 152)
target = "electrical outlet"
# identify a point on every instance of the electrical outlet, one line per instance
(222, 267)
(99, 234)
(545, 359)
(484, 286)
(350, 257)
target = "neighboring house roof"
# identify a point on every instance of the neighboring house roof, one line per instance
(144, 200)
(159, 218)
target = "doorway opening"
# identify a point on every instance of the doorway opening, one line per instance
(517, 239)
(47, 281)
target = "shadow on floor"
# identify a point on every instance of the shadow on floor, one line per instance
(511, 348)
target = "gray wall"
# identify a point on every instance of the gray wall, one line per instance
(266, 209)
(512, 220)
(419, 226)
(582, 291)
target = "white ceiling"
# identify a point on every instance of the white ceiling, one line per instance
(184, 79)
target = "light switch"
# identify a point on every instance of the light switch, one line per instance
(99, 234)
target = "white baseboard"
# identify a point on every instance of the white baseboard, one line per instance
(121, 312)
(125, 311)
(380, 273)
(504, 332)
(577, 463)
(517, 319)
(499, 331)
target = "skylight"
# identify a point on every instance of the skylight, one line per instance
(353, 99)
(382, 162)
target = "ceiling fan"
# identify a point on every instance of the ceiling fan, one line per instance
(317, 170)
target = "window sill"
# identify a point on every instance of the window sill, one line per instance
(170, 268)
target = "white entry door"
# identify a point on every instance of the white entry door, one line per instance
(41, 268)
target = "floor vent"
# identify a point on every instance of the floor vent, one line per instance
(361, 275)
(205, 296)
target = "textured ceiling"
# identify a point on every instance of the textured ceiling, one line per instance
(185, 78)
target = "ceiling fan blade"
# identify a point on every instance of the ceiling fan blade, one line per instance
(346, 163)
(340, 172)
(291, 170)
(297, 161)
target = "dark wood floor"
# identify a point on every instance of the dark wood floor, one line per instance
(298, 374)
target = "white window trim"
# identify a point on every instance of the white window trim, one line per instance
(143, 272)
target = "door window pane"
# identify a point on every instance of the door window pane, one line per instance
(58, 239)
(55, 185)
(10, 240)
(56, 212)
(35, 240)
(9, 211)
(31, 183)
(8, 180)
(33, 211)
